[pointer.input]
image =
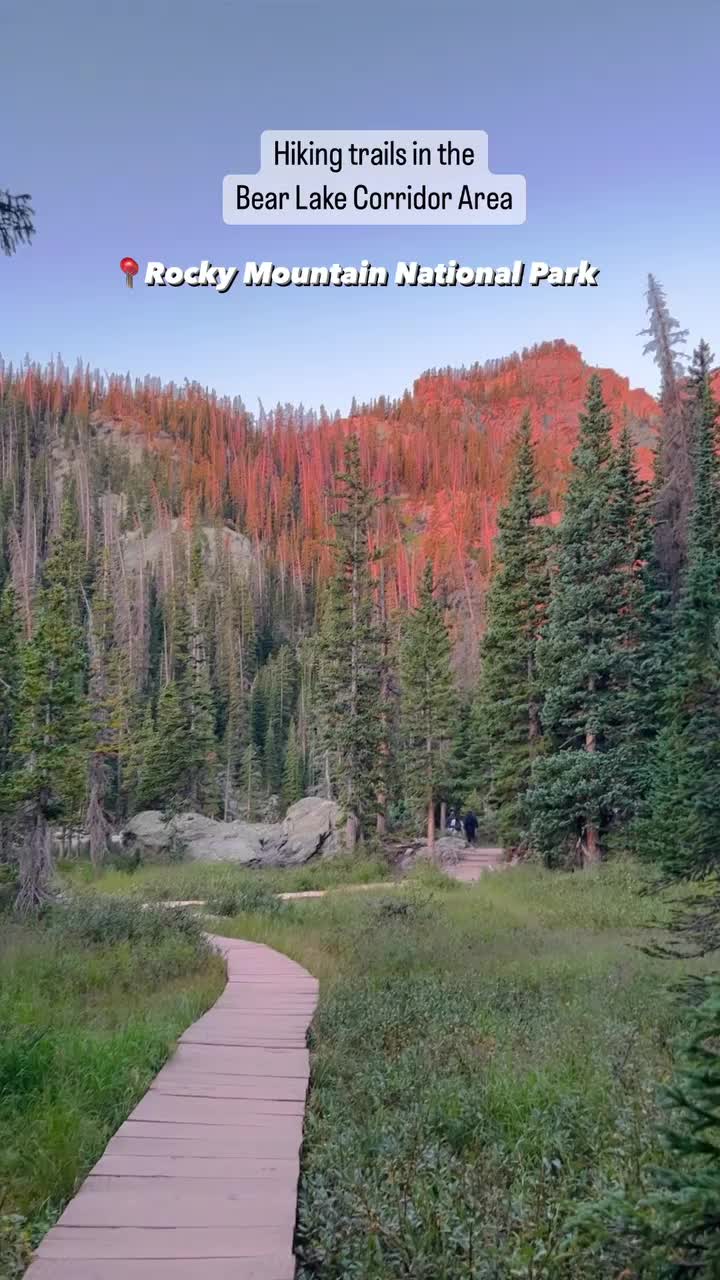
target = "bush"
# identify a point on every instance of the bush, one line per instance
(95, 919)
(669, 1224)
(15, 1248)
(235, 900)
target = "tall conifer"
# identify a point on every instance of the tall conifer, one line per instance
(506, 716)
(428, 701)
(293, 788)
(351, 654)
(673, 480)
(9, 689)
(51, 737)
(682, 829)
(251, 784)
(584, 778)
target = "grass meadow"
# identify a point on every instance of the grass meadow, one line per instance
(486, 1061)
(91, 1003)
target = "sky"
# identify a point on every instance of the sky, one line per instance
(121, 120)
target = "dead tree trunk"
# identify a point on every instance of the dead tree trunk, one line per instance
(36, 865)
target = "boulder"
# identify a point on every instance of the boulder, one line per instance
(309, 830)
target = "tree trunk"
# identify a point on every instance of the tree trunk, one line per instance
(591, 846)
(384, 749)
(352, 831)
(35, 865)
(591, 850)
(431, 826)
(443, 815)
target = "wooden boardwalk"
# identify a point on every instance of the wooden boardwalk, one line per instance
(474, 862)
(200, 1182)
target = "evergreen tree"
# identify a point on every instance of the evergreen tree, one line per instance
(164, 772)
(463, 787)
(428, 701)
(669, 1228)
(251, 787)
(293, 787)
(104, 745)
(235, 737)
(272, 756)
(643, 606)
(351, 654)
(681, 831)
(50, 742)
(673, 458)
(9, 688)
(202, 781)
(507, 712)
(583, 780)
(138, 758)
(16, 221)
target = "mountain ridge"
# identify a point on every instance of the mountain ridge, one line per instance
(442, 453)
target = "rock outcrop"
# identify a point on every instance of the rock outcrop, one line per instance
(309, 830)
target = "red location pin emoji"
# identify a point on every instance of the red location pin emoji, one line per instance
(131, 268)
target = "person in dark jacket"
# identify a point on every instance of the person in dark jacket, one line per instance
(470, 824)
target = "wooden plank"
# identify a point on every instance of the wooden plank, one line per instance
(279, 1267)
(143, 1243)
(200, 1182)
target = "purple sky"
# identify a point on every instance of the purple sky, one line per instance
(122, 119)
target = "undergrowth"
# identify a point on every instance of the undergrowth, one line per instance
(484, 1062)
(92, 999)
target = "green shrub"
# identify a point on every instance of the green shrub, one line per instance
(94, 918)
(15, 1247)
(235, 900)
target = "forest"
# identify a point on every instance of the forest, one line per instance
(457, 598)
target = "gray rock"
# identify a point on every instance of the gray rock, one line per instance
(309, 830)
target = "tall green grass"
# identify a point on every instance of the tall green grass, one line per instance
(201, 880)
(484, 1060)
(91, 1003)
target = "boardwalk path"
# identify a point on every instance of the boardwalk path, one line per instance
(200, 1183)
(473, 862)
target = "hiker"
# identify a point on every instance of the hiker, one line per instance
(470, 824)
(454, 823)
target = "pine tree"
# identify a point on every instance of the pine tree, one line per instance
(350, 653)
(104, 752)
(681, 831)
(673, 481)
(507, 712)
(9, 689)
(643, 606)
(202, 788)
(669, 1228)
(138, 758)
(293, 787)
(200, 784)
(163, 779)
(51, 738)
(583, 781)
(251, 787)
(272, 757)
(235, 739)
(428, 700)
